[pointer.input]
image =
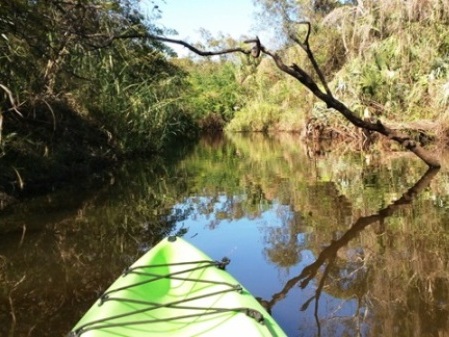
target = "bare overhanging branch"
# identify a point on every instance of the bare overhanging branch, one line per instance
(302, 76)
(255, 51)
(182, 43)
(306, 47)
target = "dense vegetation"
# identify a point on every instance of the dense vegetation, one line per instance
(74, 97)
(384, 58)
(71, 98)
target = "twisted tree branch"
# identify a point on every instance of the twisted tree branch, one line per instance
(302, 76)
(306, 47)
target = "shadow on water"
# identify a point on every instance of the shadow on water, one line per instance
(59, 251)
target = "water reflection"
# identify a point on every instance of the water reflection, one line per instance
(363, 280)
(354, 275)
(269, 207)
(58, 252)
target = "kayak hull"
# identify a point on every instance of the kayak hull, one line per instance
(176, 290)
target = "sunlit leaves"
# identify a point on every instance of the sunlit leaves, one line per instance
(85, 96)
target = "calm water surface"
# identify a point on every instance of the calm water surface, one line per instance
(335, 244)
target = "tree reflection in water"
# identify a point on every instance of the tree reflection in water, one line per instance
(328, 256)
(391, 280)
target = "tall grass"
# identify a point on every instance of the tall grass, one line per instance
(82, 99)
(140, 115)
(399, 57)
(390, 58)
(127, 89)
(277, 102)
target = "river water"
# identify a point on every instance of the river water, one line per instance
(335, 243)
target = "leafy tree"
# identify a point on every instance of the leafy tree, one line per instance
(215, 92)
(73, 92)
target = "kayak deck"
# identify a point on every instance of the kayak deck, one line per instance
(176, 290)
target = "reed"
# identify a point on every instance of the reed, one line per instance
(388, 58)
(81, 98)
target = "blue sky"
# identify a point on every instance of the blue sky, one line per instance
(187, 17)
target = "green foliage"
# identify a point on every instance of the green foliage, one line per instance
(214, 92)
(122, 95)
(256, 117)
(137, 99)
(75, 82)
(274, 101)
(391, 68)
(390, 57)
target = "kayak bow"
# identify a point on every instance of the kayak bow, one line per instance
(176, 290)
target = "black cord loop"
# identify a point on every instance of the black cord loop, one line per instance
(108, 322)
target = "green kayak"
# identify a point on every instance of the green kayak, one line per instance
(176, 290)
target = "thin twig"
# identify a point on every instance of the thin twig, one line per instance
(306, 47)
(182, 43)
(24, 229)
(11, 302)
